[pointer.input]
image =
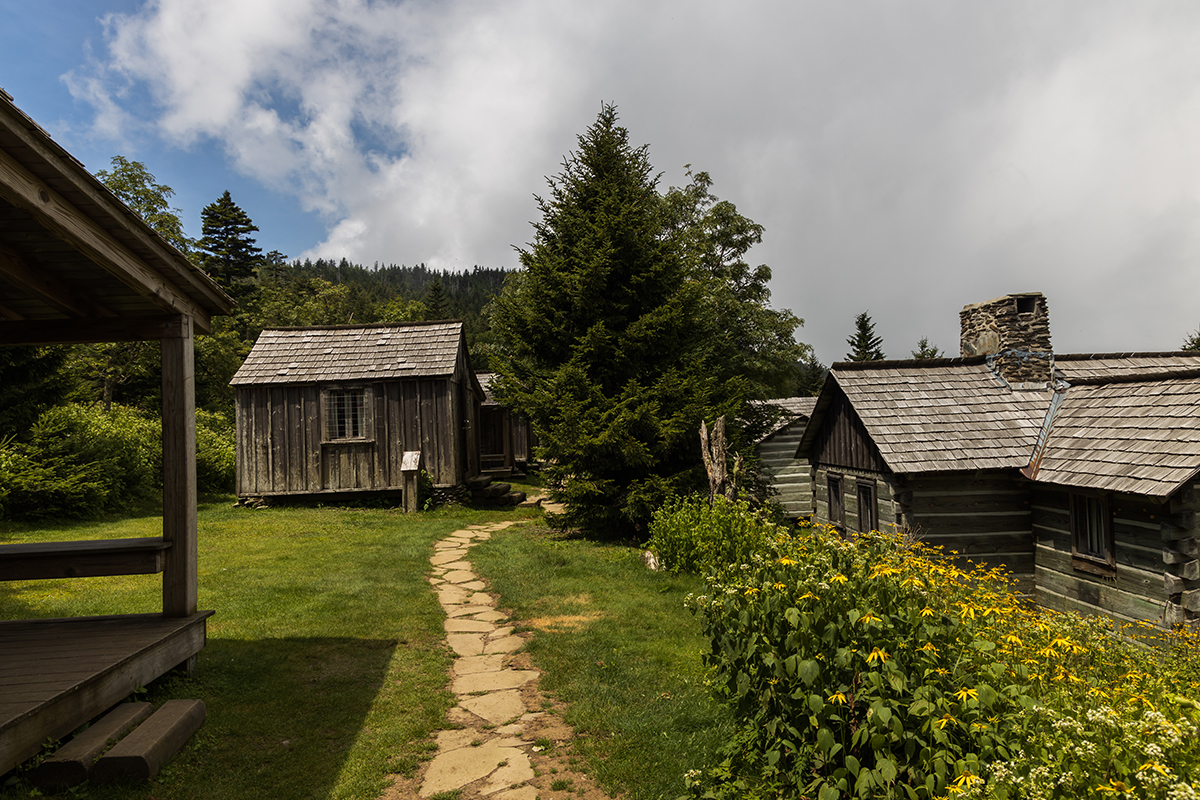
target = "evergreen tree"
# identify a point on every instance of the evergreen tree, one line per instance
(812, 377)
(1192, 342)
(926, 350)
(597, 345)
(864, 344)
(228, 251)
(436, 306)
(138, 189)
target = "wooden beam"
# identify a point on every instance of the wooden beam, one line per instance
(7, 312)
(80, 331)
(179, 471)
(81, 559)
(81, 180)
(21, 188)
(53, 291)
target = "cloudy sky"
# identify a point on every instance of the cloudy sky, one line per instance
(906, 158)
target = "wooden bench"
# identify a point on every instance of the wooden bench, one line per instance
(82, 559)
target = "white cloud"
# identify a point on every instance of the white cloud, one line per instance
(905, 158)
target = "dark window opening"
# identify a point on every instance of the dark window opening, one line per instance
(346, 414)
(1026, 305)
(837, 508)
(1092, 548)
(868, 512)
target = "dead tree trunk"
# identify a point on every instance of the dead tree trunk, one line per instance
(712, 450)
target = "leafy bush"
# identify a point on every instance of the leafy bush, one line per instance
(689, 535)
(82, 461)
(216, 456)
(872, 667)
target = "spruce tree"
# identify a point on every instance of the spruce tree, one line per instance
(436, 306)
(228, 251)
(864, 344)
(596, 340)
(926, 350)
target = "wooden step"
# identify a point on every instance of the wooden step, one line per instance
(141, 754)
(478, 483)
(493, 490)
(72, 763)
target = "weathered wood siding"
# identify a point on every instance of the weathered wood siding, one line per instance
(843, 440)
(788, 476)
(984, 517)
(281, 447)
(1138, 590)
(885, 508)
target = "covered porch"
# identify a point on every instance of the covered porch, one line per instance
(77, 265)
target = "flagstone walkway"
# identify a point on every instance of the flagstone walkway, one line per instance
(499, 712)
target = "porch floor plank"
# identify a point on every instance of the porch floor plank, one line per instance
(56, 674)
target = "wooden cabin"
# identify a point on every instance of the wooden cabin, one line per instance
(506, 437)
(1076, 472)
(789, 477)
(332, 410)
(77, 265)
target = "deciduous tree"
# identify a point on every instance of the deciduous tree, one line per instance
(138, 189)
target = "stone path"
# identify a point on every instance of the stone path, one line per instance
(490, 747)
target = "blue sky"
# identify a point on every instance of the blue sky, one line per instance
(905, 158)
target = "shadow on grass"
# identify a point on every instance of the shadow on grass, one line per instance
(283, 717)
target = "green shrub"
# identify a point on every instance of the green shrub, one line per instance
(216, 456)
(689, 535)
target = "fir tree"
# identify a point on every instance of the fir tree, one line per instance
(597, 345)
(228, 251)
(864, 344)
(926, 350)
(1192, 342)
(436, 306)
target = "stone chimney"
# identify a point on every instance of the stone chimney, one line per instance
(1015, 329)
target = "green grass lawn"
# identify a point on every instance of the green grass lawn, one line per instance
(325, 669)
(616, 645)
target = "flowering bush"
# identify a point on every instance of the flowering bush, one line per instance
(872, 667)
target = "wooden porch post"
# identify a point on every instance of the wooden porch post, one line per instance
(179, 469)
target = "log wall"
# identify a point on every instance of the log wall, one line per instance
(982, 517)
(1157, 574)
(790, 478)
(885, 507)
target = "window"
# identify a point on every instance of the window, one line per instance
(868, 512)
(837, 508)
(345, 414)
(1092, 547)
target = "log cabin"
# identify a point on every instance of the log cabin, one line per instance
(332, 410)
(77, 265)
(788, 478)
(1078, 473)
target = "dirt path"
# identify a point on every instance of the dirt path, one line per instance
(510, 743)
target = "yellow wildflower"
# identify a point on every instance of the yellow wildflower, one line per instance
(877, 655)
(964, 693)
(839, 698)
(807, 596)
(868, 617)
(927, 612)
(839, 578)
(751, 592)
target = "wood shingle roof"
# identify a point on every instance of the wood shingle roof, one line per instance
(928, 416)
(1125, 422)
(357, 352)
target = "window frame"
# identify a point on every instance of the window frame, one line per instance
(832, 480)
(867, 485)
(1092, 523)
(330, 397)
